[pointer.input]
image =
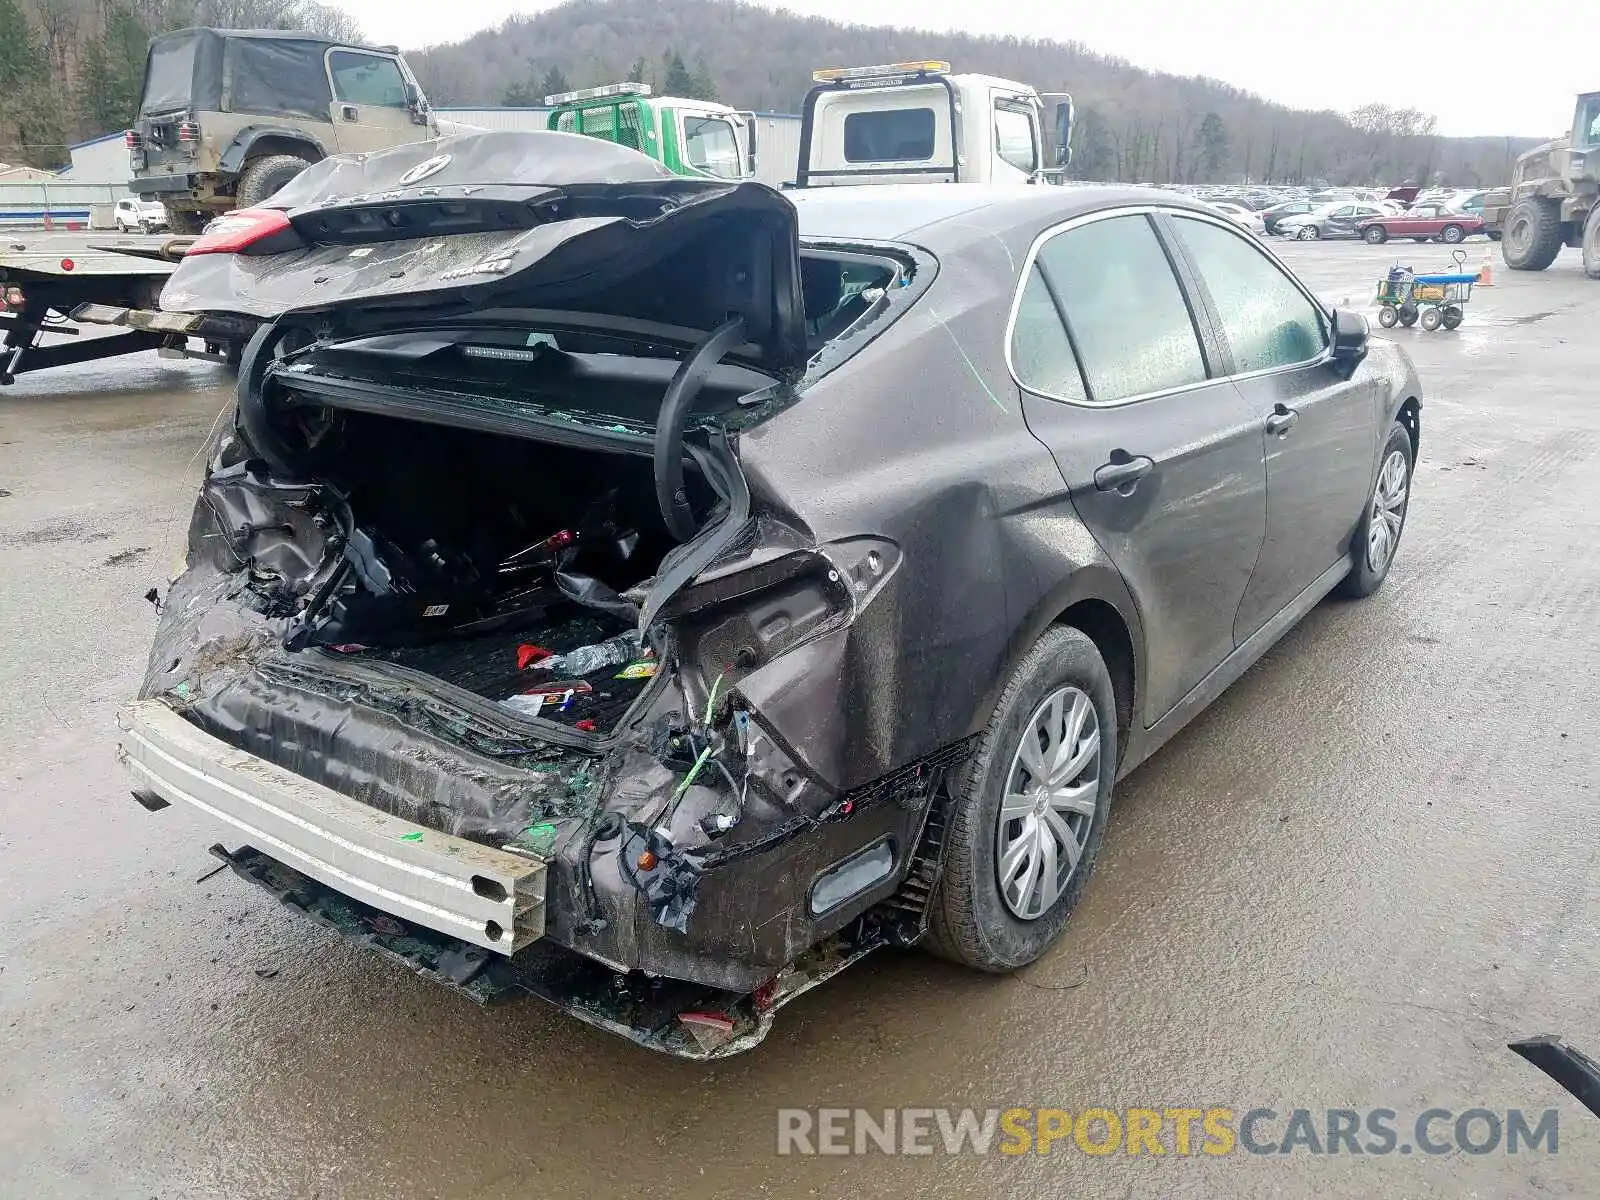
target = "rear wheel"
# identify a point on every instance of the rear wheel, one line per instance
(185, 222)
(1408, 315)
(1451, 234)
(1532, 237)
(1432, 318)
(263, 177)
(1453, 317)
(1422, 241)
(1027, 820)
(1377, 536)
(1591, 243)
(1376, 235)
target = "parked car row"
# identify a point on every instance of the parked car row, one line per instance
(1373, 223)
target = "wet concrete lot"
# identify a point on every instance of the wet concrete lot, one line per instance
(1347, 885)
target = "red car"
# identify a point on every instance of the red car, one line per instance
(1425, 223)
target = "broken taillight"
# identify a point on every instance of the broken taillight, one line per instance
(245, 230)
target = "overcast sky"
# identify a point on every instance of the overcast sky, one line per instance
(1453, 58)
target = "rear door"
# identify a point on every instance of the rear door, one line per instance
(371, 107)
(1319, 429)
(1162, 458)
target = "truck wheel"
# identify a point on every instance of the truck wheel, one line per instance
(185, 222)
(1532, 236)
(265, 176)
(1375, 235)
(1027, 818)
(1591, 244)
(1451, 234)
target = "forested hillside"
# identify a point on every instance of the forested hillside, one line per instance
(70, 69)
(1134, 124)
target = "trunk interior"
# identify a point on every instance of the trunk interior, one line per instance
(481, 560)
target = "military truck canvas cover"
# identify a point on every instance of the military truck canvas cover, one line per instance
(267, 72)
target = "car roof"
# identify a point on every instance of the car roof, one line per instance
(945, 216)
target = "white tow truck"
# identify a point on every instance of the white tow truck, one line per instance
(915, 122)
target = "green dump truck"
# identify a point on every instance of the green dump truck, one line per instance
(695, 138)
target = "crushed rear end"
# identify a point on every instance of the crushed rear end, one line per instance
(487, 651)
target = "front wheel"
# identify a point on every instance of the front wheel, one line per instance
(1388, 316)
(1432, 318)
(1306, 233)
(1532, 235)
(1453, 316)
(1375, 235)
(1377, 536)
(1027, 819)
(1591, 244)
(1408, 315)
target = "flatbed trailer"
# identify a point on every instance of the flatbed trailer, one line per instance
(51, 284)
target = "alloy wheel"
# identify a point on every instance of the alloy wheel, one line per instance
(1388, 512)
(1049, 805)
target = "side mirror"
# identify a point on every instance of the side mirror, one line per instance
(1350, 334)
(749, 142)
(1063, 132)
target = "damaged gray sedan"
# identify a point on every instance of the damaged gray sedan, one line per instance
(654, 594)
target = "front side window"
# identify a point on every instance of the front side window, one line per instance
(709, 146)
(367, 79)
(1123, 306)
(1268, 320)
(894, 135)
(1013, 137)
(1349, 210)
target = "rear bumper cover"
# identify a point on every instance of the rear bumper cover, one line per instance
(482, 896)
(162, 185)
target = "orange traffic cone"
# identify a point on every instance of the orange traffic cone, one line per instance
(1486, 271)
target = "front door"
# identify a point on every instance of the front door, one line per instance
(371, 108)
(1320, 429)
(1162, 458)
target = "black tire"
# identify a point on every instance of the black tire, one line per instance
(265, 176)
(1388, 316)
(1408, 315)
(1364, 577)
(1591, 244)
(1453, 317)
(1375, 235)
(1494, 235)
(970, 921)
(1532, 236)
(1422, 241)
(185, 222)
(1451, 235)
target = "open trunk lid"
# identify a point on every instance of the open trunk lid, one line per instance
(555, 222)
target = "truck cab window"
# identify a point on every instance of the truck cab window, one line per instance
(366, 79)
(709, 146)
(893, 135)
(1014, 137)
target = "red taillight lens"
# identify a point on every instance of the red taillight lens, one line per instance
(188, 132)
(132, 139)
(237, 230)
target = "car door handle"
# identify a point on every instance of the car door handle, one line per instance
(349, 113)
(1282, 420)
(1122, 473)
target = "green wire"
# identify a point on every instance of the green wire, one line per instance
(694, 773)
(711, 701)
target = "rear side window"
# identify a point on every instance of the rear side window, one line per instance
(895, 135)
(367, 79)
(1041, 353)
(1268, 320)
(1124, 308)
